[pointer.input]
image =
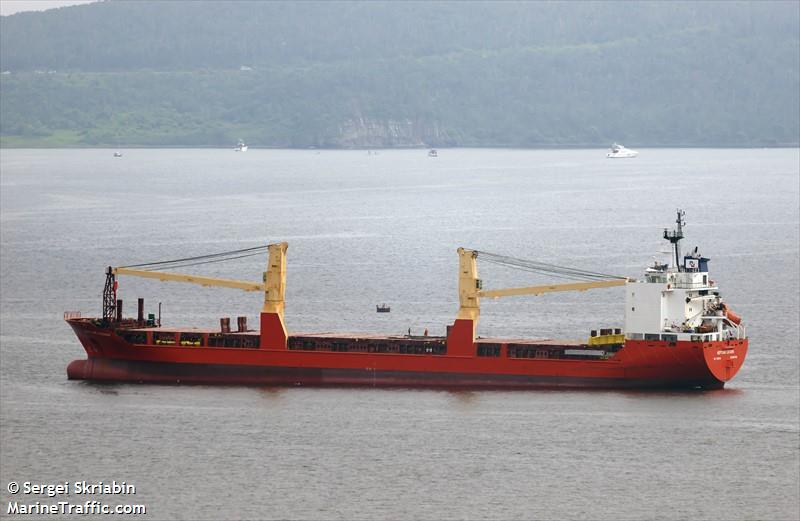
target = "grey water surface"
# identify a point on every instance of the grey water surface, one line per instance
(367, 228)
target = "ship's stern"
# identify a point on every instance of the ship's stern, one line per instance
(725, 358)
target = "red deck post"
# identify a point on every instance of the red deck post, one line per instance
(273, 332)
(459, 338)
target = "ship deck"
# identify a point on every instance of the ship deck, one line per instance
(330, 335)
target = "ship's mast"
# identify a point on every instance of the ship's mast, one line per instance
(675, 237)
(110, 296)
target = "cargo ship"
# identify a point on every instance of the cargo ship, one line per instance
(678, 334)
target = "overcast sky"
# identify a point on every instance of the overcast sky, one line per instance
(8, 7)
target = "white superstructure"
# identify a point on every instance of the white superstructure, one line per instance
(679, 302)
(241, 147)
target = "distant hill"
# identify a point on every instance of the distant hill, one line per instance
(370, 74)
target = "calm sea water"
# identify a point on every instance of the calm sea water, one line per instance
(370, 228)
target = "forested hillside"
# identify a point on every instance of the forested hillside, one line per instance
(374, 74)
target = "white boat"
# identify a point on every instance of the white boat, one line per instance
(117, 154)
(241, 147)
(433, 153)
(619, 151)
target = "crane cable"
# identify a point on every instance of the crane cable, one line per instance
(200, 259)
(543, 268)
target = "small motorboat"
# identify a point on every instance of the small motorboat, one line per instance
(433, 153)
(117, 154)
(382, 308)
(620, 152)
(241, 147)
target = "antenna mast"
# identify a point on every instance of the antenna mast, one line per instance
(675, 237)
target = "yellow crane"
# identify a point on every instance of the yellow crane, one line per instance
(273, 282)
(470, 288)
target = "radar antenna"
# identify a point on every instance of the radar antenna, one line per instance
(675, 237)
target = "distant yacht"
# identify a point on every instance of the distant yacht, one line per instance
(241, 147)
(433, 153)
(619, 151)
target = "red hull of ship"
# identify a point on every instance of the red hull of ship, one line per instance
(638, 364)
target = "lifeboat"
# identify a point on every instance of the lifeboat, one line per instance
(730, 315)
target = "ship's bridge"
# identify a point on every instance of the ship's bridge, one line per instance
(680, 279)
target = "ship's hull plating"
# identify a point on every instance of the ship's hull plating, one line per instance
(639, 364)
(100, 369)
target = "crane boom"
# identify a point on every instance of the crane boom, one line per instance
(538, 290)
(273, 283)
(470, 288)
(193, 279)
